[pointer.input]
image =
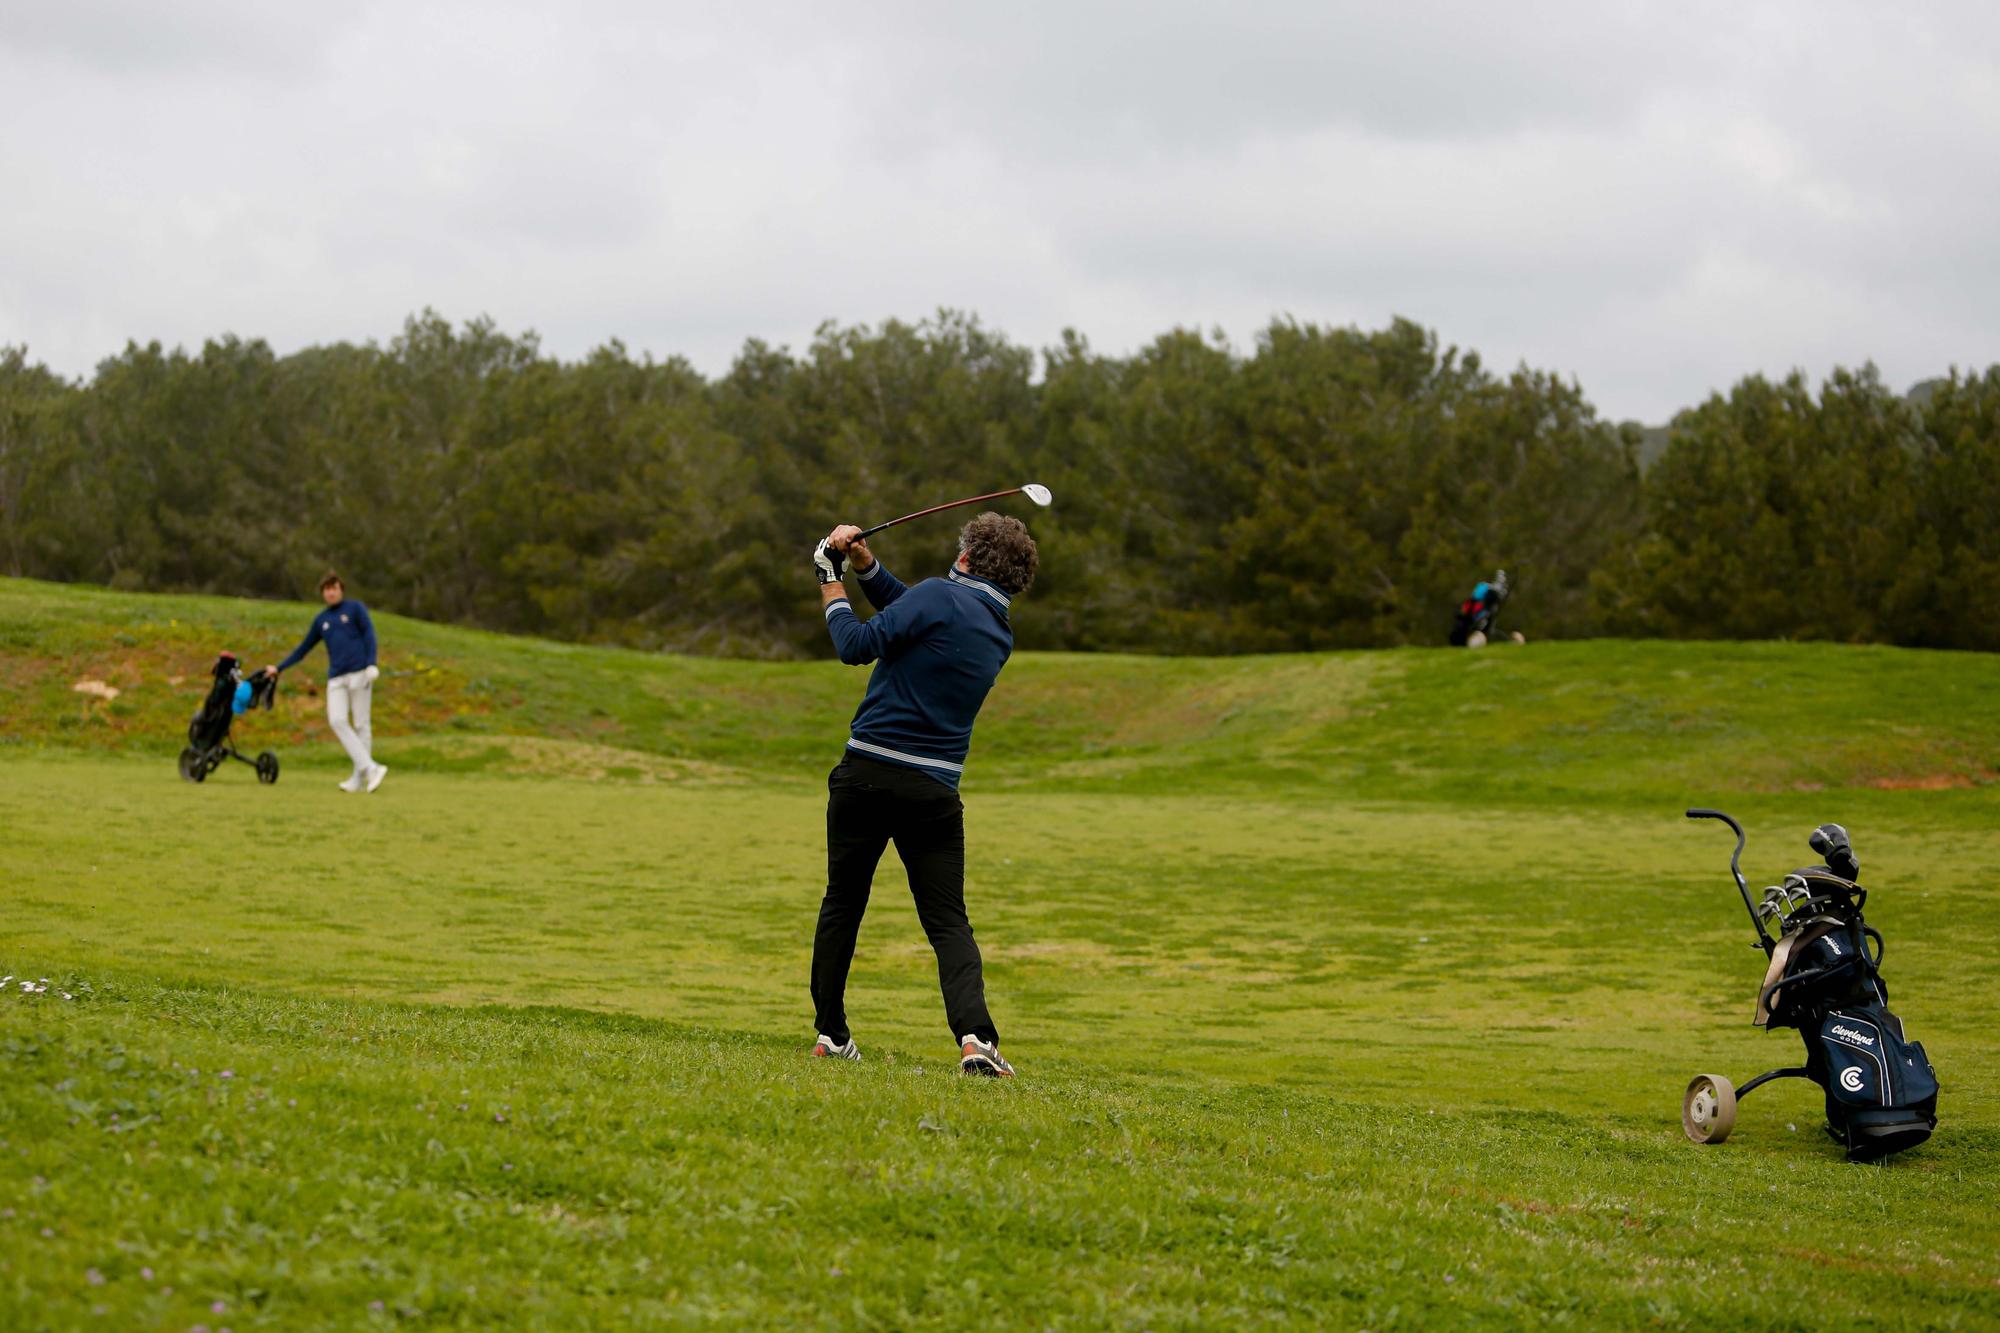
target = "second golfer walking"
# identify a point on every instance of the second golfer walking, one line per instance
(348, 632)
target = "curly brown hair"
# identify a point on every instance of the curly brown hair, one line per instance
(998, 549)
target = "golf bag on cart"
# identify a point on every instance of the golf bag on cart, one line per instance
(1472, 625)
(1824, 979)
(230, 694)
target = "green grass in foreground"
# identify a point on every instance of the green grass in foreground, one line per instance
(1341, 996)
(224, 1158)
(1299, 1071)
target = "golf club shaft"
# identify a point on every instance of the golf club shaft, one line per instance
(955, 504)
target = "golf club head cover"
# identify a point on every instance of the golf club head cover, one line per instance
(828, 563)
(1830, 842)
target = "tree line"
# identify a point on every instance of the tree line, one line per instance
(1327, 487)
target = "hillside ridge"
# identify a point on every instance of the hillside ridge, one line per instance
(1576, 720)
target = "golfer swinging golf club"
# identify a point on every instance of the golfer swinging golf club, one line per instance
(937, 648)
(344, 626)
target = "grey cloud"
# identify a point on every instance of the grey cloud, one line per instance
(186, 37)
(1094, 81)
(1656, 198)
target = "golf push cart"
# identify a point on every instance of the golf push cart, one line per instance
(1824, 979)
(1472, 625)
(208, 734)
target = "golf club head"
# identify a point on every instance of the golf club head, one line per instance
(1830, 842)
(1039, 494)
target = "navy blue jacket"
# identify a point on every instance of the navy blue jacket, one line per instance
(937, 648)
(349, 635)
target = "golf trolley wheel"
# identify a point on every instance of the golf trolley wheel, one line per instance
(267, 768)
(1708, 1111)
(191, 765)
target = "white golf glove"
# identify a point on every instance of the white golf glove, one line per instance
(828, 563)
(371, 673)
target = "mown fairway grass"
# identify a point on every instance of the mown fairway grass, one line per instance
(1346, 990)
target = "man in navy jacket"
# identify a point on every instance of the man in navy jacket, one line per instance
(349, 635)
(937, 647)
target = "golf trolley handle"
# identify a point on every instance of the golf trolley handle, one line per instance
(1736, 870)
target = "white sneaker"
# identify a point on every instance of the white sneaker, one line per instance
(982, 1058)
(375, 776)
(826, 1048)
(353, 783)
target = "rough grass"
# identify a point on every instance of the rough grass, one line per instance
(1346, 991)
(222, 1158)
(1579, 722)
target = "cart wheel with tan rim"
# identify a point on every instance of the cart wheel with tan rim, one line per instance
(1708, 1111)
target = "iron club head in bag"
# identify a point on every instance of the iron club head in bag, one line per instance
(1824, 978)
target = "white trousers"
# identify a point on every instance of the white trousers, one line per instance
(349, 696)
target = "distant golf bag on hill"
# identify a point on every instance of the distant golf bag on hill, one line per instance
(1881, 1092)
(1472, 626)
(208, 734)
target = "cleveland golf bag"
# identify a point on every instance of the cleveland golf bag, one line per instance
(230, 694)
(1824, 979)
(1472, 626)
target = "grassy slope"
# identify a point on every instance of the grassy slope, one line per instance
(1431, 992)
(1580, 721)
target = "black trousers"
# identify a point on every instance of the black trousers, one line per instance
(869, 805)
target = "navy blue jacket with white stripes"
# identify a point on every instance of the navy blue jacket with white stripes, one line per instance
(937, 648)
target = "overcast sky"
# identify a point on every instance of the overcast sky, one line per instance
(1654, 198)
